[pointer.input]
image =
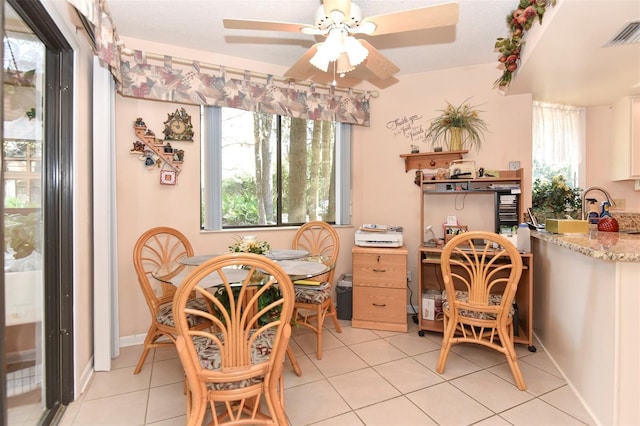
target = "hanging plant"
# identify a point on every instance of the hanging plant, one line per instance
(519, 21)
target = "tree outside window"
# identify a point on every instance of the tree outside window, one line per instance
(275, 170)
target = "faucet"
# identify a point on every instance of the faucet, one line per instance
(595, 188)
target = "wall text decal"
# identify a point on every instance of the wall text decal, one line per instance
(408, 127)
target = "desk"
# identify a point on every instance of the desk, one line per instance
(430, 277)
(297, 269)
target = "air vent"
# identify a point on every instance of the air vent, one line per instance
(629, 33)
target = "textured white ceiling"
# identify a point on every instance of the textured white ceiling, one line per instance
(567, 54)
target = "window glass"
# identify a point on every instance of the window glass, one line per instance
(558, 142)
(274, 170)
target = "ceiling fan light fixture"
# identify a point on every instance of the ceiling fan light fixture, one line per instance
(334, 43)
(344, 65)
(320, 60)
(345, 50)
(355, 51)
(328, 51)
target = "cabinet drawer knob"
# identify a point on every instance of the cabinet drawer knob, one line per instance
(379, 270)
(382, 305)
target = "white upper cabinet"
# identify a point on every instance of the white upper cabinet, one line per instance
(626, 142)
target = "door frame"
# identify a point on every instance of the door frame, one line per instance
(57, 186)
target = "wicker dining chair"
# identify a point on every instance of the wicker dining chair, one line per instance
(313, 306)
(239, 365)
(161, 247)
(481, 271)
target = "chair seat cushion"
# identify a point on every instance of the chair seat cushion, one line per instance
(494, 300)
(165, 313)
(312, 296)
(209, 356)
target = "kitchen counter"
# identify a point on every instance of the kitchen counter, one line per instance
(586, 296)
(615, 246)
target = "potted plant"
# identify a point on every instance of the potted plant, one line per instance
(555, 199)
(457, 128)
(249, 244)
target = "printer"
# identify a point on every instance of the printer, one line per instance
(378, 239)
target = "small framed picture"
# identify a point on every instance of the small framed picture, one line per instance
(167, 177)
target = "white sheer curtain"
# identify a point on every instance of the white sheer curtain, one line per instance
(559, 137)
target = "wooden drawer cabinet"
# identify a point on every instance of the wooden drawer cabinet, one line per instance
(380, 288)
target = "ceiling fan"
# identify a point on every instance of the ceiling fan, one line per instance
(341, 53)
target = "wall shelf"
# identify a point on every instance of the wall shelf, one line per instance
(157, 146)
(431, 160)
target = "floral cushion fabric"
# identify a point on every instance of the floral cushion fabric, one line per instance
(165, 313)
(209, 356)
(494, 300)
(312, 296)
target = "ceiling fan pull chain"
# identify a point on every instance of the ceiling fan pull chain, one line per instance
(333, 83)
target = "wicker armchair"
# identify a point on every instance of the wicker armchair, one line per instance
(313, 306)
(480, 286)
(235, 367)
(156, 248)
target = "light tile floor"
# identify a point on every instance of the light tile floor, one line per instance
(366, 377)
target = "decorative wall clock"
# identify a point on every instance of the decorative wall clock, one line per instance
(178, 126)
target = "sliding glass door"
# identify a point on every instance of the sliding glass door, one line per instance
(22, 145)
(36, 170)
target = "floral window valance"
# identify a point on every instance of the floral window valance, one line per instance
(194, 86)
(191, 85)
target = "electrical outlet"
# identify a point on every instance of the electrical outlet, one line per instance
(619, 203)
(408, 275)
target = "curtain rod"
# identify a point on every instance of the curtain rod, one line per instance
(158, 57)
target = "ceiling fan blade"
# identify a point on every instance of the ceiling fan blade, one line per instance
(248, 24)
(377, 64)
(415, 19)
(302, 69)
(343, 6)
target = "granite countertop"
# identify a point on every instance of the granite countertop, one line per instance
(614, 246)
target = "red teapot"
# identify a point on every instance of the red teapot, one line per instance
(608, 224)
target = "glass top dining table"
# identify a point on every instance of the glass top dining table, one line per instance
(302, 267)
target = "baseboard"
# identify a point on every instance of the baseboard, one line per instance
(85, 379)
(136, 339)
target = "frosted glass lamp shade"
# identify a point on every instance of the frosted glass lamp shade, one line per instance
(345, 50)
(356, 51)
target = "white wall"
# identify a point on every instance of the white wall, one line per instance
(600, 134)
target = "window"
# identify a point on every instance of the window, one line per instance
(558, 142)
(266, 170)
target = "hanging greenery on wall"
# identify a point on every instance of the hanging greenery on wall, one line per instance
(519, 22)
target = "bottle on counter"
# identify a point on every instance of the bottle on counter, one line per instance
(605, 209)
(523, 238)
(593, 211)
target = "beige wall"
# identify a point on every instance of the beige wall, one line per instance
(382, 191)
